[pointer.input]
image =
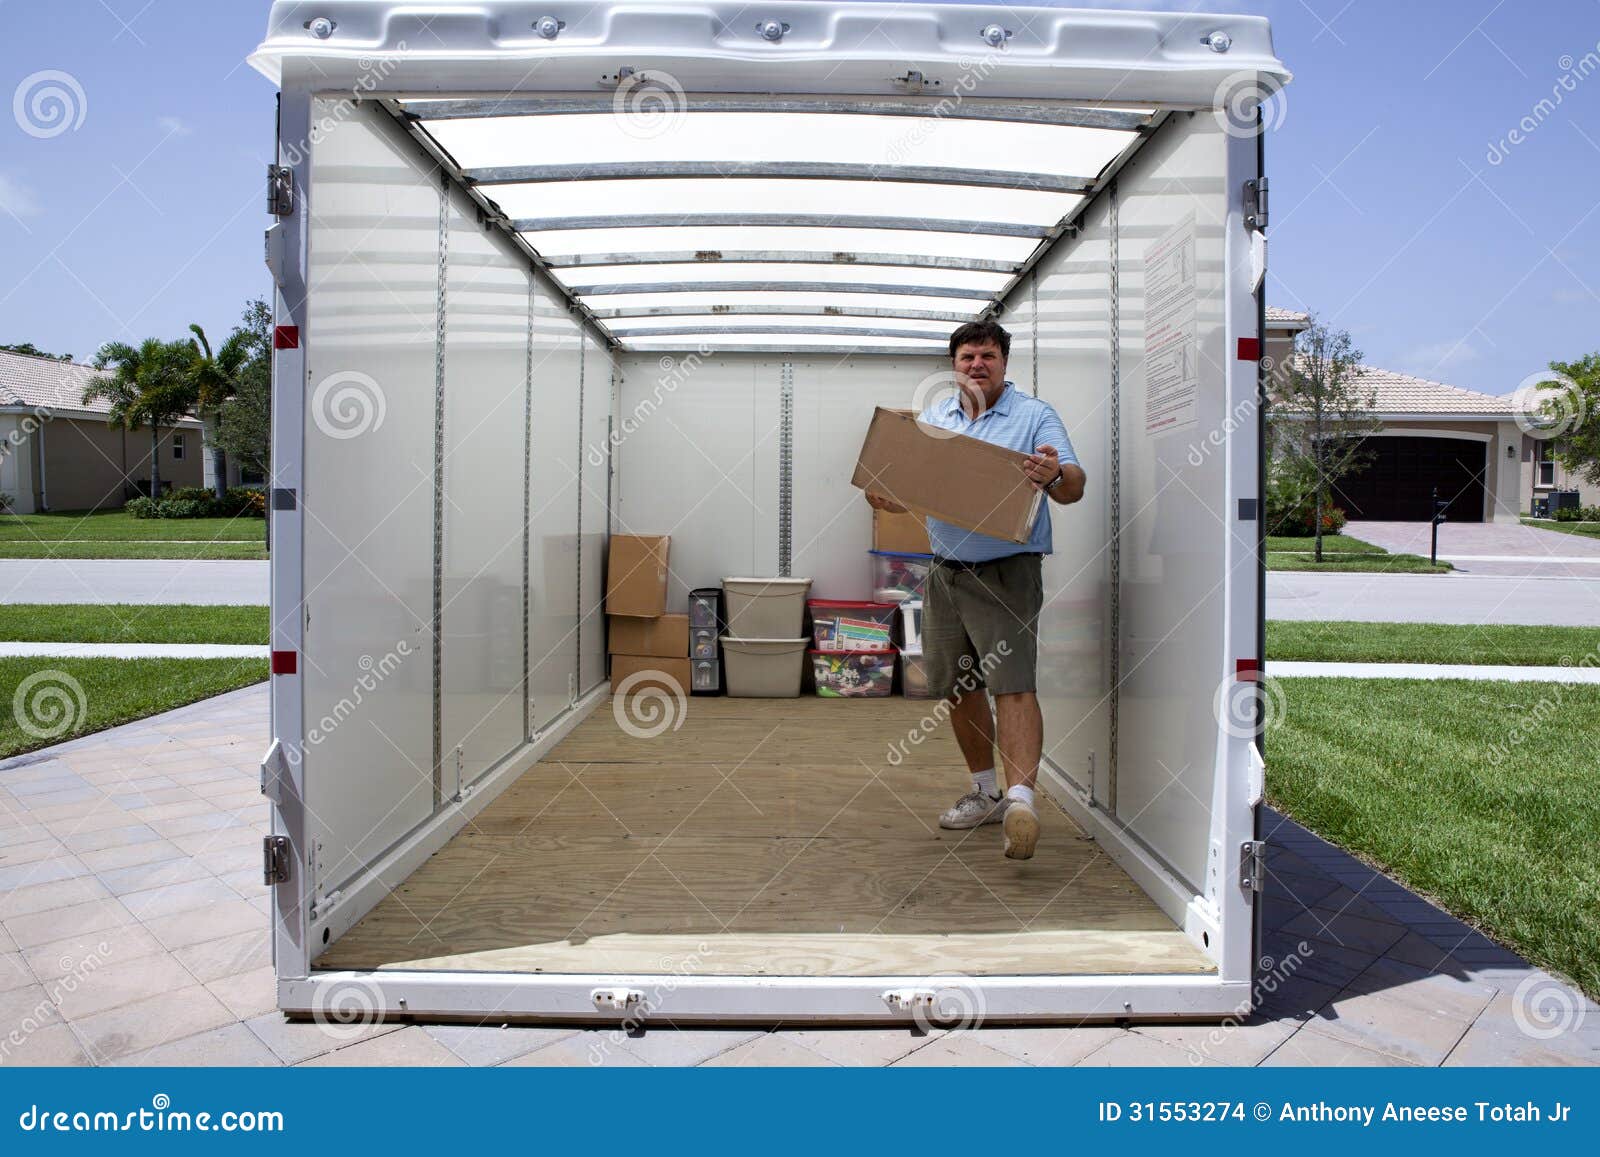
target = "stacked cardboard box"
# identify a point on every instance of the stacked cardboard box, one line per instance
(644, 640)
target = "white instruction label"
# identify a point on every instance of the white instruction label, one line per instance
(1171, 351)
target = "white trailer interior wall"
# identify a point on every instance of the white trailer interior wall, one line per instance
(459, 424)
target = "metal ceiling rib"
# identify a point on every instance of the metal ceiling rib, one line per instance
(1067, 116)
(930, 163)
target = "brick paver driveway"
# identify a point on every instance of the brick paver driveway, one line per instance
(1499, 548)
(133, 932)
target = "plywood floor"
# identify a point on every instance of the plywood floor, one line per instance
(760, 837)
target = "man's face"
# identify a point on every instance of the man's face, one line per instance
(982, 363)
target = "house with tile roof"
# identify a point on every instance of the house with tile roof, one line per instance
(1466, 444)
(59, 453)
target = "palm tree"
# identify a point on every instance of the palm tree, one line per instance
(150, 384)
(216, 379)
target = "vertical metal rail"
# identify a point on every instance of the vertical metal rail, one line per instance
(577, 666)
(1116, 498)
(1033, 328)
(786, 472)
(438, 493)
(527, 518)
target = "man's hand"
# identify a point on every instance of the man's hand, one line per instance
(879, 502)
(1042, 467)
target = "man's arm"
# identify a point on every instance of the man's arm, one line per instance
(1054, 458)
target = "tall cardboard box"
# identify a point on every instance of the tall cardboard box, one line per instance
(636, 575)
(964, 481)
(666, 636)
(903, 533)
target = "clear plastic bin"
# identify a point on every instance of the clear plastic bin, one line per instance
(845, 625)
(897, 577)
(853, 674)
(913, 676)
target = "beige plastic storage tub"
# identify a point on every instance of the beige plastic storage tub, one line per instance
(765, 608)
(763, 668)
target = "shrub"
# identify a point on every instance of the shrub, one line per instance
(142, 507)
(198, 502)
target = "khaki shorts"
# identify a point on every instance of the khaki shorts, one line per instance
(980, 625)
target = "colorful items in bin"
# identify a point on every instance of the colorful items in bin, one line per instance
(843, 625)
(899, 577)
(853, 674)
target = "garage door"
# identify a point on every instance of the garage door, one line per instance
(1398, 484)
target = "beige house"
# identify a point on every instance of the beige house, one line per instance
(1466, 444)
(56, 453)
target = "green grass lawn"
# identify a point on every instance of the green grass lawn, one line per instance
(131, 623)
(1341, 553)
(114, 534)
(1590, 529)
(64, 698)
(1480, 795)
(1341, 642)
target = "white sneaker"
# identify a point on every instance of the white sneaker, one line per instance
(973, 810)
(1022, 831)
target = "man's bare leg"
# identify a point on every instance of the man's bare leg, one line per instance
(974, 728)
(1021, 744)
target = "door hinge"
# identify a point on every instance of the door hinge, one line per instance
(280, 190)
(275, 860)
(1253, 866)
(1255, 204)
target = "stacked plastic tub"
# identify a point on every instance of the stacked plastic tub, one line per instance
(853, 652)
(764, 651)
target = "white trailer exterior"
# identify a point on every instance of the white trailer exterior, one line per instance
(506, 288)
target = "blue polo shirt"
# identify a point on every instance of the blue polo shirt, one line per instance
(1016, 421)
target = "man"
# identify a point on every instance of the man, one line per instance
(980, 623)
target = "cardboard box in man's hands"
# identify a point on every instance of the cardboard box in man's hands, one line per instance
(964, 481)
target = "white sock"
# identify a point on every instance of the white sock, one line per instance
(984, 781)
(1020, 792)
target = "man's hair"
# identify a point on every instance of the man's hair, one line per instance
(981, 333)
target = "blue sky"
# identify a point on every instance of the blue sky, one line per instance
(1391, 218)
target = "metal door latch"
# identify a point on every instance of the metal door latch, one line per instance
(1253, 866)
(275, 860)
(619, 999)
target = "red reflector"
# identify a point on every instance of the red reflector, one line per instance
(283, 662)
(1249, 669)
(286, 337)
(1249, 349)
